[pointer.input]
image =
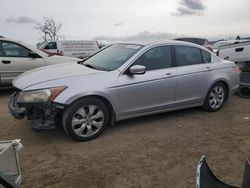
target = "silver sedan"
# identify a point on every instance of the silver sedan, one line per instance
(123, 81)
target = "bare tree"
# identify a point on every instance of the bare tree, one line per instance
(49, 29)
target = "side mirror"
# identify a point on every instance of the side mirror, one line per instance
(137, 69)
(34, 55)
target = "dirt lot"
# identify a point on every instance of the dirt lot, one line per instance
(157, 151)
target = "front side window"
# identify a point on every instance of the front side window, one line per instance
(10, 49)
(112, 57)
(186, 55)
(155, 58)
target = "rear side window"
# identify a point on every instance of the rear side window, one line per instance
(51, 46)
(155, 58)
(206, 56)
(186, 55)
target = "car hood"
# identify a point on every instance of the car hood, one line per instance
(52, 72)
(62, 58)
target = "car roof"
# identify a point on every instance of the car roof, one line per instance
(153, 43)
(11, 40)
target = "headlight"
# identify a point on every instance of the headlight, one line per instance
(43, 95)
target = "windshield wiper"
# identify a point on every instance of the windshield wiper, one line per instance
(90, 66)
(96, 68)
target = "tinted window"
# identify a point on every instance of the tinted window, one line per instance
(194, 40)
(156, 58)
(9, 49)
(51, 46)
(206, 56)
(200, 42)
(186, 55)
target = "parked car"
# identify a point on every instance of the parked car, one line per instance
(72, 48)
(199, 41)
(224, 43)
(123, 81)
(17, 57)
(239, 52)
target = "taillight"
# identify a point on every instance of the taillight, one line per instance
(236, 69)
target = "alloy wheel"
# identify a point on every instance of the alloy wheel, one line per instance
(216, 97)
(87, 120)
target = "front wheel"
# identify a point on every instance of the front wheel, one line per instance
(85, 119)
(215, 97)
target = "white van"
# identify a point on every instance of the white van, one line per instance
(72, 48)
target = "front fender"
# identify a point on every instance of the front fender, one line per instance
(90, 93)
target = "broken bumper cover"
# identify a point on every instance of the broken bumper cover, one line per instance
(43, 116)
(14, 109)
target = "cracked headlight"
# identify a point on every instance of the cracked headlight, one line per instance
(37, 96)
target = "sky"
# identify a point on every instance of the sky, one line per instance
(126, 19)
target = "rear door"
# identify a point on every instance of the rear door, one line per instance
(152, 91)
(14, 60)
(192, 74)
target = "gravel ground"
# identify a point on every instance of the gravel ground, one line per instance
(156, 151)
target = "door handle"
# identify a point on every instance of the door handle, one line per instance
(169, 74)
(6, 62)
(239, 49)
(208, 69)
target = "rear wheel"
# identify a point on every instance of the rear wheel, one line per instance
(215, 97)
(85, 119)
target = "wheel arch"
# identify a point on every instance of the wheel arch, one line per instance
(225, 83)
(104, 99)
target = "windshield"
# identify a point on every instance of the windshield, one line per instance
(112, 57)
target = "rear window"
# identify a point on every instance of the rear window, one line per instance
(200, 42)
(193, 40)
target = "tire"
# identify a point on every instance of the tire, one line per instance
(244, 91)
(85, 119)
(215, 97)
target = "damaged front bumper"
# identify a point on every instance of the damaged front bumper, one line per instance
(43, 116)
(14, 109)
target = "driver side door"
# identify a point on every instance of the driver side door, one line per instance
(14, 60)
(151, 92)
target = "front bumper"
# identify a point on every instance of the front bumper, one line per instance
(43, 116)
(14, 109)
